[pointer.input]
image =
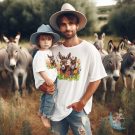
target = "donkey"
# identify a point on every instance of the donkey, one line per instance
(3, 53)
(99, 44)
(52, 61)
(128, 66)
(64, 62)
(112, 64)
(73, 64)
(17, 61)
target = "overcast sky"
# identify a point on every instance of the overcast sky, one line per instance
(101, 2)
(105, 2)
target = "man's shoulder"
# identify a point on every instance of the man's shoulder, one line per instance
(88, 44)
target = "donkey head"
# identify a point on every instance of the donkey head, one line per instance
(131, 57)
(73, 63)
(114, 59)
(64, 62)
(12, 50)
(52, 60)
(99, 41)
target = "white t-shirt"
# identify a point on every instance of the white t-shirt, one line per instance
(43, 61)
(76, 66)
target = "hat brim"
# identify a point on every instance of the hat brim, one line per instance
(33, 38)
(82, 19)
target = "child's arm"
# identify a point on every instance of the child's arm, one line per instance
(48, 81)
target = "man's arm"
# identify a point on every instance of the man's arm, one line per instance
(92, 87)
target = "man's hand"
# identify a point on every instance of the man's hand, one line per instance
(77, 106)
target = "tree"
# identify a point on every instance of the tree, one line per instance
(26, 16)
(122, 21)
(20, 16)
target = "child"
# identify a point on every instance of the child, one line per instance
(44, 69)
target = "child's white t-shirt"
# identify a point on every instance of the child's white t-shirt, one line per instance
(83, 65)
(43, 61)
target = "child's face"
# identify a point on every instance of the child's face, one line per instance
(45, 41)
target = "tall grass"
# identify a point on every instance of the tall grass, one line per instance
(104, 129)
(26, 128)
(13, 118)
(128, 102)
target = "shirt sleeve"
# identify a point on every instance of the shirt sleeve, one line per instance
(96, 68)
(40, 62)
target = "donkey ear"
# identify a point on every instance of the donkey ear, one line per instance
(103, 36)
(68, 56)
(60, 56)
(5, 39)
(110, 46)
(96, 35)
(121, 45)
(17, 37)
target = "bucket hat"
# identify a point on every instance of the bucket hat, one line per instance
(67, 8)
(44, 29)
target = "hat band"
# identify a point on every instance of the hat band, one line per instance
(68, 10)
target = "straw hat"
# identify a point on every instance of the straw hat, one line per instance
(44, 29)
(68, 8)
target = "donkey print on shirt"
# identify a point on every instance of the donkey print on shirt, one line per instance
(68, 67)
(51, 62)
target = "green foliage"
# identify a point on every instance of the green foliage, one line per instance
(122, 21)
(104, 9)
(27, 15)
(103, 129)
(106, 29)
(26, 128)
(20, 16)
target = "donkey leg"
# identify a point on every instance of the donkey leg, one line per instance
(16, 82)
(113, 87)
(16, 86)
(124, 81)
(23, 86)
(104, 88)
(132, 83)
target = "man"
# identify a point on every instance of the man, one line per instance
(80, 70)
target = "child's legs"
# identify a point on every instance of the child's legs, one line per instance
(49, 104)
(42, 100)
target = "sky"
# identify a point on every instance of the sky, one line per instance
(104, 2)
(100, 2)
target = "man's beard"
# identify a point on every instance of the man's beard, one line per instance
(64, 35)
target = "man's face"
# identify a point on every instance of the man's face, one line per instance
(68, 28)
(45, 41)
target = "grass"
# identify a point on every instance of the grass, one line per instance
(19, 118)
(90, 38)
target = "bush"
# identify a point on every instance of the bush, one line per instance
(122, 21)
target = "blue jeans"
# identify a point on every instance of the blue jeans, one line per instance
(77, 121)
(47, 104)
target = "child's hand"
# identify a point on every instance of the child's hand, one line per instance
(49, 82)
